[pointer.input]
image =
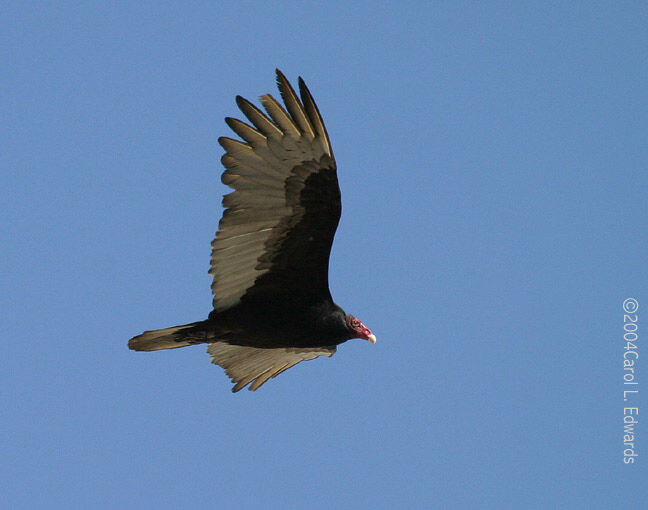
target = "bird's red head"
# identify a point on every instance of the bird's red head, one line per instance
(359, 329)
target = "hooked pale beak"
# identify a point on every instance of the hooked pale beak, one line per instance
(372, 338)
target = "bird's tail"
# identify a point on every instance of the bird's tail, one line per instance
(169, 338)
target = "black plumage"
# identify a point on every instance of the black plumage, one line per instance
(272, 304)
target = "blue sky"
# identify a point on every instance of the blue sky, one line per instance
(492, 159)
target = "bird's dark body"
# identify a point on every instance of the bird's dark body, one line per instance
(269, 324)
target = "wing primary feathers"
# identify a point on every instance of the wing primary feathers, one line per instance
(294, 106)
(233, 146)
(315, 116)
(257, 141)
(248, 133)
(256, 116)
(280, 116)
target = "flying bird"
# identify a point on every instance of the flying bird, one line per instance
(270, 257)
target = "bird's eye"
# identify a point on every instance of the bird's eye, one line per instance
(355, 324)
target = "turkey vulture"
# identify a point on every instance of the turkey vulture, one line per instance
(272, 304)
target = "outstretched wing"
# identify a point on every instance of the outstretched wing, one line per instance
(246, 365)
(276, 232)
